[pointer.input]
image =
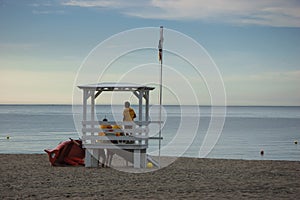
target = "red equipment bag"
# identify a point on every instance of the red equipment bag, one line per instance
(67, 153)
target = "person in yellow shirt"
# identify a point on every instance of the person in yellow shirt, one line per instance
(128, 113)
(128, 116)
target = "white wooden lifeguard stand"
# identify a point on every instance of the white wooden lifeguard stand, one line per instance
(137, 148)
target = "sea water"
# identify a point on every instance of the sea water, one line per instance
(247, 130)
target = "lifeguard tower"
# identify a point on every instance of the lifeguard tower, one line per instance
(134, 144)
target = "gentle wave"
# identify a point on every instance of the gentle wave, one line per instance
(247, 130)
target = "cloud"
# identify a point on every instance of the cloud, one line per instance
(41, 4)
(258, 12)
(46, 8)
(47, 12)
(113, 4)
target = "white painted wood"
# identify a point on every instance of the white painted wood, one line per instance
(85, 93)
(137, 158)
(109, 86)
(114, 146)
(108, 138)
(142, 123)
(141, 106)
(94, 157)
(134, 132)
(139, 133)
(88, 158)
(147, 105)
(92, 94)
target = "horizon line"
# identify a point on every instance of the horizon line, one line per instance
(62, 104)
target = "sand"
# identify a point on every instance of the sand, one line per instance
(32, 177)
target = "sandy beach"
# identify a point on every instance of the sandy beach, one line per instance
(30, 176)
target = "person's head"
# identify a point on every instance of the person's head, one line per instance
(104, 120)
(127, 104)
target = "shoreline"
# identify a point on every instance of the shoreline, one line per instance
(185, 157)
(31, 176)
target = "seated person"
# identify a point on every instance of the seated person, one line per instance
(105, 127)
(107, 156)
(115, 127)
(121, 133)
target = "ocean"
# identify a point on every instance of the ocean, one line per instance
(247, 130)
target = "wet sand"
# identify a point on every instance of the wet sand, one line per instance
(32, 177)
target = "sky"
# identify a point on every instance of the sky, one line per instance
(255, 44)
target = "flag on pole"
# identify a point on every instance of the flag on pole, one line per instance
(160, 48)
(160, 55)
(160, 44)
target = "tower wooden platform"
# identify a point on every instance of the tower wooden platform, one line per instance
(132, 147)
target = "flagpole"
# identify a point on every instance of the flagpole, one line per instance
(160, 49)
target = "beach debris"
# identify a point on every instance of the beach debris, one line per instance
(296, 142)
(149, 165)
(262, 152)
